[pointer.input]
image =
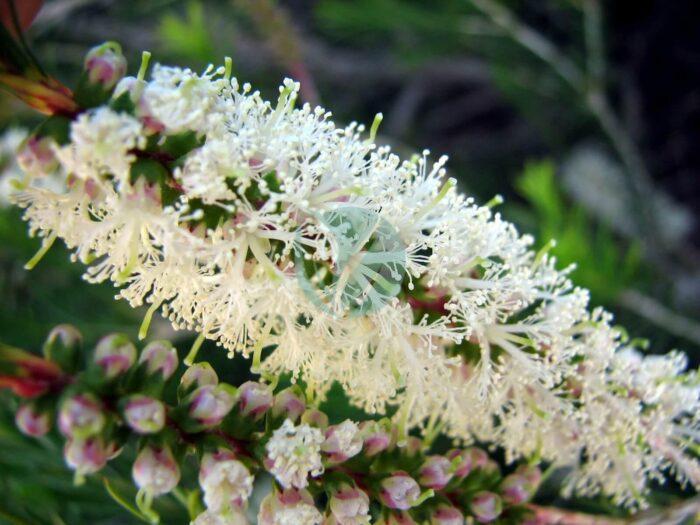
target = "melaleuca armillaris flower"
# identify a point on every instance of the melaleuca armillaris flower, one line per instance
(294, 454)
(263, 225)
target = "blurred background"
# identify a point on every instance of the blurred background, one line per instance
(583, 114)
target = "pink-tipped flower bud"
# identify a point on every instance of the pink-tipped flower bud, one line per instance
(288, 507)
(81, 416)
(105, 65)
(436, 472)
(86, 456)
(226, 482)
(398, 518)
(155, 470)
(399, 491)
(32, 422)
(62, 346)
(144, 414)
(532, 474)
(197, 375)
(254, 399)
(115, 354)
(412, 446)
(36, 156)
(478, 457)
(349, 506)
(376, 437)
(289, 404)
(342, 441)
(461, 461)
(210, 404)
(486, 506)
(516, 489)
(446, 515)
(159, 357)
(315, 418)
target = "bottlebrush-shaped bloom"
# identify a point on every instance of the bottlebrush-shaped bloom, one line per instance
(263, 225)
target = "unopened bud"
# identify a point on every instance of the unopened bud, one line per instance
(155, 470)
(86, 456)
(289, 506)
(197, 375)
(254, 399)
(81, 416)
(376, 437)
(342, 441)
(486, 506)
(32, 422)
(62, 346)
(145, 415)
(532, 474)
(105, 65)
(446, 515)
(315, 418)
(399, 491)
(159, 357)
(289, 404)
(36, 156)
(115, 354)
(349, 506)
(435, 472)
(516, 489)
(461, 461)
(210, 404)
(478, 457)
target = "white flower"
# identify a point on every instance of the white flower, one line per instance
(225, 483)
(101, 145)
(10, 171)
(293, 453)
(228, 517)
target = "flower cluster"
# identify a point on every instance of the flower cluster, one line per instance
(264, 225)
(335, 474)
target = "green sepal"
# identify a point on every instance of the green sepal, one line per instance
(89, 95)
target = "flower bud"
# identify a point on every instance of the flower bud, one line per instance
(289, 404)
(446, 515)
(81, 416)
(479, 458)
(32, 422)
(376, 437)
(144, 414)
(288, 507)
(197, 375)
(398, 518)
(36, 156)
(105, 65)
(461, 461)
(412, 445)
(85, 456)
(155, 470)
(516, 489)
(435, 472)
(254, 399)
(115, 354)
(226, 482)
(486, 506)
(342, 441)
(210, 404)
(532, 474)
(159, 357)
(315, 418)
(62, 346)
(349, 506)
(399, 491)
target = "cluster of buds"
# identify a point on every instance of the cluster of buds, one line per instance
(332, 474)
